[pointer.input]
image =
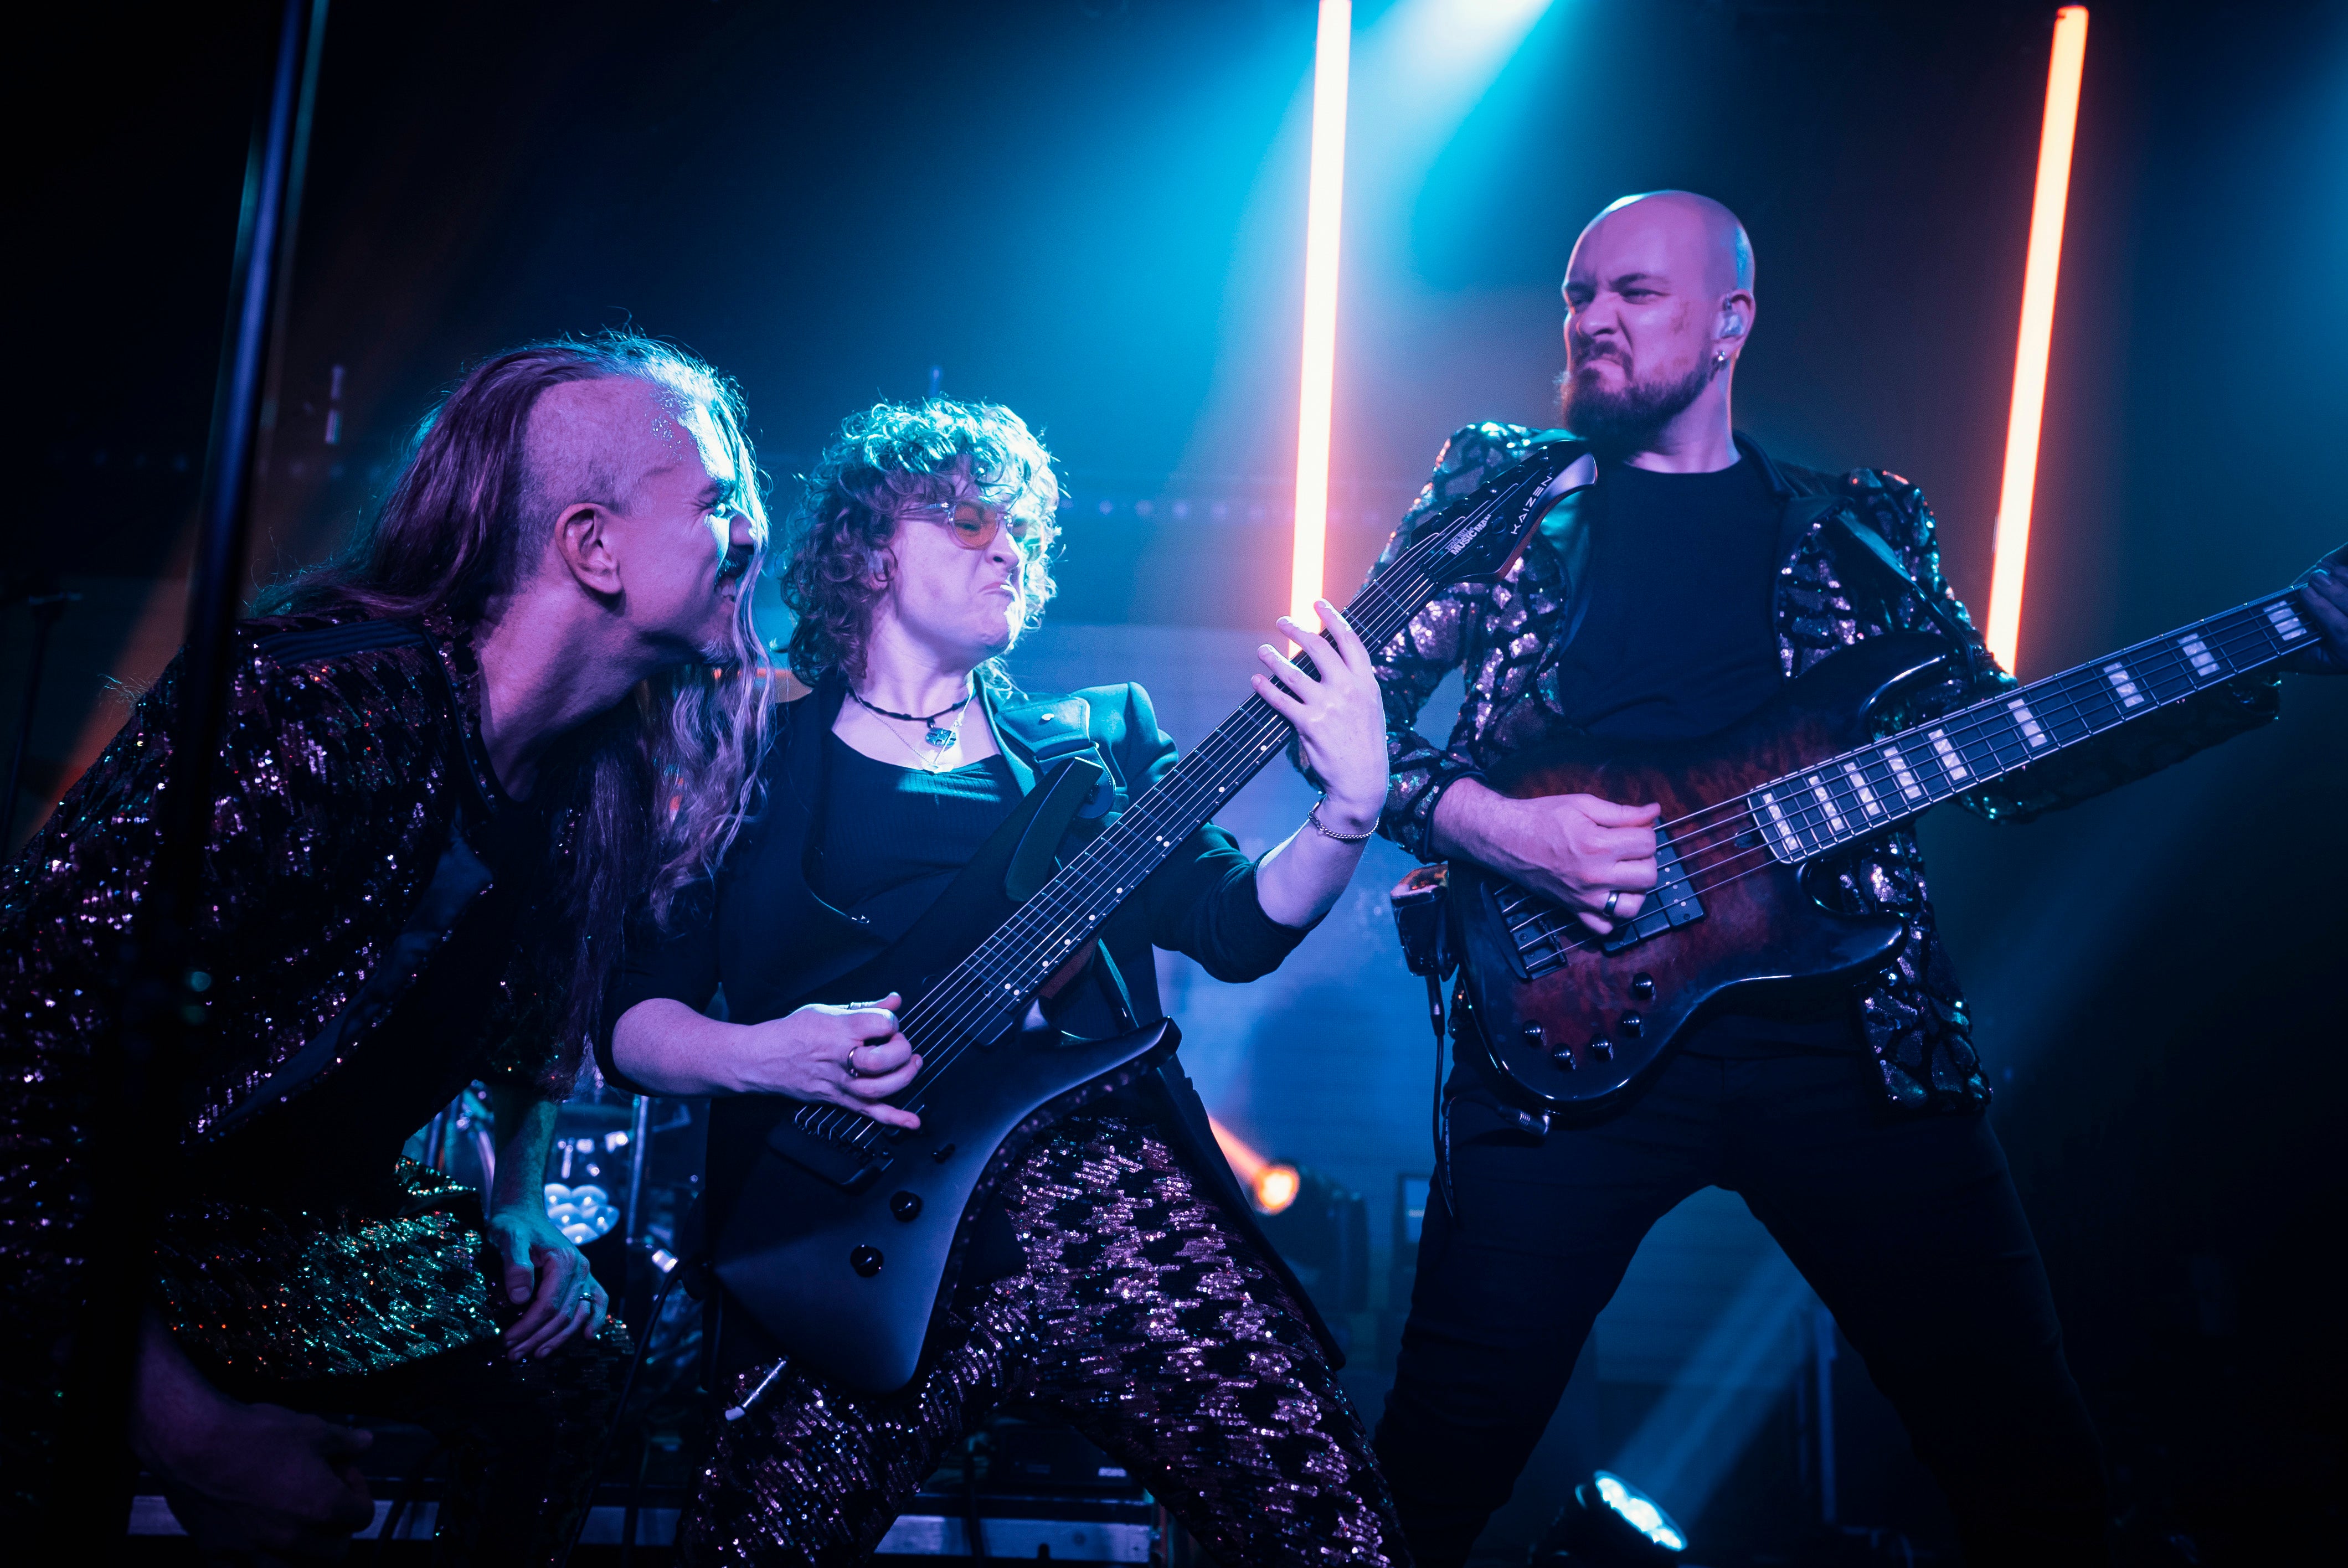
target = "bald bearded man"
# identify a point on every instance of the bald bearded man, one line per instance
(1688, 585)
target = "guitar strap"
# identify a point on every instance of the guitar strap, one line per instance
(457, 879)
(1872, 542)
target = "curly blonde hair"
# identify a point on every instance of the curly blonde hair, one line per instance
(886, 460)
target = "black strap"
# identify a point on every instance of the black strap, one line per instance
(346, 638)
(457, 877)
(1942, 616)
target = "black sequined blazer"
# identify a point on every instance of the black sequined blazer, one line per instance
(344, 772)
(1506, 638)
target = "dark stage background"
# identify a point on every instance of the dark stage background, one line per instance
(1093, 212)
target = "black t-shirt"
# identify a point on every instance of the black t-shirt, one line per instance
(1679, 640)
(893, 838)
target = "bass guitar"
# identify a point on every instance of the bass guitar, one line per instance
(1576, 1022)
(845, 1238)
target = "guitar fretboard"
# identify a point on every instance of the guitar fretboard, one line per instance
(982, 995)
(1869, 788)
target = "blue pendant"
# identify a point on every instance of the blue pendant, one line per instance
(940, 737)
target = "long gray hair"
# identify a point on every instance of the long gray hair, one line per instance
(648, 795)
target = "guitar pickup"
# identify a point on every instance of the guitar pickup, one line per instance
(848, 1166)
(1672, 903)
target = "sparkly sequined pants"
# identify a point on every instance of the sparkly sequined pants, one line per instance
(1143, 1321)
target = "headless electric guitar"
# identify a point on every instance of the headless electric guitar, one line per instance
(845, 1236)
(1576, 1022)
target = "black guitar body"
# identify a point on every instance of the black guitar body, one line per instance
(852, 1280)
(1574, 1024)
(844, 1240)
(845, 1253)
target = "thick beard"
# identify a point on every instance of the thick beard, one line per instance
(1628, 420)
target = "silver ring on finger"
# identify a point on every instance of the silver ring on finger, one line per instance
(1611, 899)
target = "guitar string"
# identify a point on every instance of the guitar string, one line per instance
(1810, 817)
(1993, 711)
(1374, 608)
(1551, 924)
(1246, 748)
(1810, 814)
(1584, 939)
(2050, 702)
(1375, 602)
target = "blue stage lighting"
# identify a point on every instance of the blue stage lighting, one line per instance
(1610, 1523)
(1639, 1510)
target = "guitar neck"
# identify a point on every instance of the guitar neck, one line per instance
(1478, 534)
(1065, 913)
(1867, 789)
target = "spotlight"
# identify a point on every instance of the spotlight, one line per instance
(1275, 1188)
(1610, 1523)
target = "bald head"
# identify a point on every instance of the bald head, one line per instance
(1659, 301)
(1700, 236)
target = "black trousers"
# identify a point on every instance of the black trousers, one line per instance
(1908, 1228)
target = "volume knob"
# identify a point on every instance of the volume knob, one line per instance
(905, 1205)
(1642, 987)
(866, 1261)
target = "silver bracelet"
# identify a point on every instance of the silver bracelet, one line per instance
(1314, 817)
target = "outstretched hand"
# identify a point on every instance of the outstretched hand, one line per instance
(2323, 596)
(1340, 716)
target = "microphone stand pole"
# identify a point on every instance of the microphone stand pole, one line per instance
(133, 1142)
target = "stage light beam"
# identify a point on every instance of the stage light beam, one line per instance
(1273, 1187)
(1323, 222)
(2035, 340)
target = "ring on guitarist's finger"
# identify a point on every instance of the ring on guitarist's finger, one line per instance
(1611, 899)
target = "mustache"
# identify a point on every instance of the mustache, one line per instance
(1586, 353)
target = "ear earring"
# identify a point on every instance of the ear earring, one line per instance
(1719, 361)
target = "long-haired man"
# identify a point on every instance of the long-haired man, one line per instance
(1116, 1281)
(519, 702)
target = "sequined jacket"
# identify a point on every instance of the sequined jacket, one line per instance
(1507, 638)
(339, 794)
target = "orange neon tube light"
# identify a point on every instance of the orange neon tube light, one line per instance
(2036, 340)
(1323, 211)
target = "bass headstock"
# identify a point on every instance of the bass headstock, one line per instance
(1478, 536)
